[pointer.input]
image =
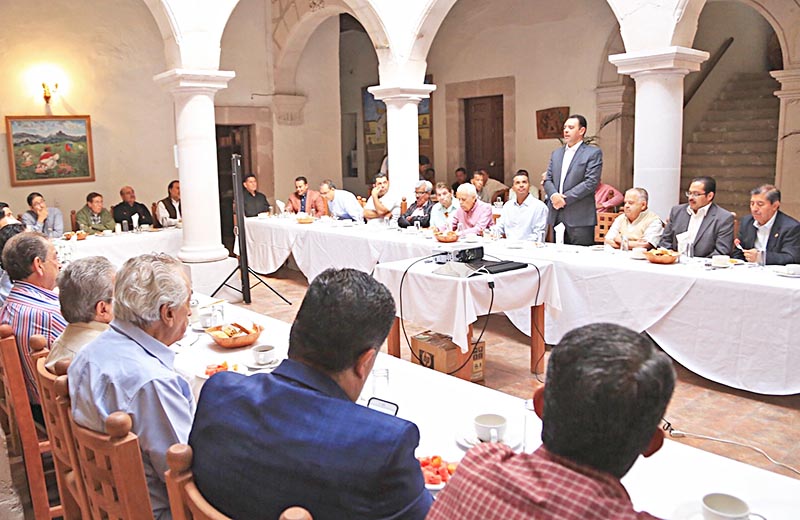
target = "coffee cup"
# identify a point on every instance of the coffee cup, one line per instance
(793, 269)
(720, 261)
(106, 232)
(490, 427)
(720, 506)
(638, 253)
(263, 354)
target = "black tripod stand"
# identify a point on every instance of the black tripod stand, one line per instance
(240, 232)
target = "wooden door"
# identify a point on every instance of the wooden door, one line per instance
(231, 139)
(483, 131)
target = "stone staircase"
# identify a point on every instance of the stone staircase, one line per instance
(736, 142)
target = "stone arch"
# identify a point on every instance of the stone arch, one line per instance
(782, 17)
(294, 25)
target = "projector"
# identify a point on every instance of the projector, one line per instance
(457, 253)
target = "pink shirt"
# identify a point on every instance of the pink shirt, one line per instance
(475, 220)
(601, 197)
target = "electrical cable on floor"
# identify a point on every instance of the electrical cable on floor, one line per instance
(678, 434)
(400, 290)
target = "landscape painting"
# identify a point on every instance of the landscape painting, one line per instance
(49, 149)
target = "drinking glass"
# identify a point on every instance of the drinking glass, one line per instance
(380, 382)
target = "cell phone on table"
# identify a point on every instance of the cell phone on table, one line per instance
(382, 405)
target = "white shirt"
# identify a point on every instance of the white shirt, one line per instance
(523, 221)
(345, 206)
(762, 233)
(391, 203)
(652, 233)
(163, 215)
(695, 220)
(569, 154)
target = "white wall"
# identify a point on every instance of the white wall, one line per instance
(554, 50)
(313, 149)
(109, 52)
(748, 53)
(358, 65)
(244, 51)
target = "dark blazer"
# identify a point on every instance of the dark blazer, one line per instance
(405, 219)
(783, 246)
(583, 176)
(270, 441)
(715, 236)
(123, 212)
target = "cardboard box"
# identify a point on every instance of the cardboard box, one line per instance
(437, 351)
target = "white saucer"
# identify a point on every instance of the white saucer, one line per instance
(727, 266)
(465, 442)
(638, 258)
(787, 275)
(196, 327)
(597, 248)
(255, 366)
(514, 245)
(435, 487)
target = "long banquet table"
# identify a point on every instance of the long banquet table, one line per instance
(118, 247)
(669, 484)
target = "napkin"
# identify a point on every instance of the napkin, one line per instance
(135, 220)
(683, 241)
(559, 230)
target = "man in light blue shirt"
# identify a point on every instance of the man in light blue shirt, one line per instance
(48, 221)
(341, 204)
(129, 368)
(524, 217)
(443, 211)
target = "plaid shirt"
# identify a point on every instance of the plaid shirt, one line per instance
(493, 482)
(31, 309)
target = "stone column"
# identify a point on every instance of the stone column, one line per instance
(659, 118)
(615, 108)
(194, 92)
(788, 155)
(402, 126)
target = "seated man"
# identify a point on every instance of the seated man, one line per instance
(420, 210)
(7, 230)
(444, 211)
(606, 391)
(39, 217)
(607, 197)
(6, 215)
(473, 215)
(524, 216)
(168, 211)
(86, 292)
(638, 225)
(305, 200)
(129, 367)
(297, 432)
(381, 206)
(341, 203)
(461, 178)
(488, 189)
(93, 216)
(708, 227)
(255, 202)
(32, 306)
(129, 207)
(767, 229)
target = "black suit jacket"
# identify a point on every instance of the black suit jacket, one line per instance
(583, 175)
(783, 246)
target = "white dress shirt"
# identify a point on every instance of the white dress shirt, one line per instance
(695, 220)
(569, 154)
(390, 202)
(523, 221)
(762, 233)
(163, 215)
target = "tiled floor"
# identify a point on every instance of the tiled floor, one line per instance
(698, 405)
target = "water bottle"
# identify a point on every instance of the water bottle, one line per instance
(624, 244)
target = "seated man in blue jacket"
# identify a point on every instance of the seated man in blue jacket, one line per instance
(296, 437)
(768, 230)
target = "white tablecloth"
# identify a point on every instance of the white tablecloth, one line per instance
(119, 247)
(448, 305)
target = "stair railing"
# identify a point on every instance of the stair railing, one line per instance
(706, 70)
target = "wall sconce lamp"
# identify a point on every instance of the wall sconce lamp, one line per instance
(48, 92)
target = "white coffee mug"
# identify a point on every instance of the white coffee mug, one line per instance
(638, 252)
(720, 260)
(263, 354)
(490, 427)
(720, 506)
(793, 268)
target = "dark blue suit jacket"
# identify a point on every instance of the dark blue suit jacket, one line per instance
(783, 246)
(270, 441)
(583, 175)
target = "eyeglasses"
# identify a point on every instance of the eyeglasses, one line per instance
(693, 194)
(418, 193)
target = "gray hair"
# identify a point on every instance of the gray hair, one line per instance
(467, 189)
(643, 195)
(772, 193)
(144, 284)
(328, 183)
(424, 184)
(20, 252)
(84, 283)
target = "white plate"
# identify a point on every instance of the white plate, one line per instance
(435, 487)
(196, 327)
(638, 258)
(597, 248)
(515, 245)
(787, 275)
(255, 366)
(467, 441)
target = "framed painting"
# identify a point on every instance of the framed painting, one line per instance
(550, 122)
(49, 149)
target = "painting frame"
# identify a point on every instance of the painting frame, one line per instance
(49, 149)
(550, 122)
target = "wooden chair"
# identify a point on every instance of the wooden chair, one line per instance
(154, 213)
(110, 466)
(735, 228)
(185, 500)
(73, 218)
(65, 459)
(32, 445)
(604, 221)
(403, 206)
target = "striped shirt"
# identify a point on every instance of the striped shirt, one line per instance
(30, 310)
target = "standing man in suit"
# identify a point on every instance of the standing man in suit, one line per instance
(768, 229)
(700, 222)
(570, 182)
(298, 434)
